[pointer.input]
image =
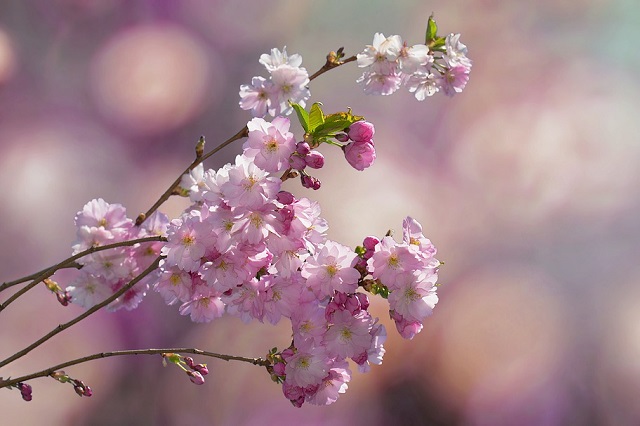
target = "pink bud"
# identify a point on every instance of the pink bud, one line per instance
(303, 148)
(310, 182)
(361, 131)
(314, 159)
(364, 301)
(297, 162)
(201, 368)
(279, 368)
(360, 155)
(342, 137)
(370, 243)
(285, 197)
(195, 377)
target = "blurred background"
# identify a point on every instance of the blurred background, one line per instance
(528, 183)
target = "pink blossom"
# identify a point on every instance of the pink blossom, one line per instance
(454, 80)
(247, 301)
(309, 324)
(276, 58)
(375, 83)
(331, 269)
(423, 85)
(100, 223)
(269, 144)
(348, 335)
(391, 260)
(407, 329)
(412, 58)
(282, 296)
(413, 236)
(414, 295)
(203, 307)
(249, 186)
(289, 86)
(332, 385)
(194, 183)
(382, 54)
(174, 285)
(188, 239)
(306, 368)
(456, 52)
(360, 155)
(88, 290)
(255, 97)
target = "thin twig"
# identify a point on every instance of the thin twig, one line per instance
(199, 159)
(46, 273)
(242, 133)
(50, 370)
(60, 328)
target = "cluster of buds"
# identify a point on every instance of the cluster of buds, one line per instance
(78, 386)
(196, 372)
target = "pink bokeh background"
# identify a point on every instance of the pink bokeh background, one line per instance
(528, 183)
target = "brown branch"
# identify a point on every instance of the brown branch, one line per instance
(68, 262)
(333, 61)
(50, 370)
(60, 328)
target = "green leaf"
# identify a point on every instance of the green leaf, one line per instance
(316, 116)
(303, 116)
(432, 30)
(335, 123)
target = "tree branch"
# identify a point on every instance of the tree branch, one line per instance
(60, 328)
(50, 370)
(46, 273)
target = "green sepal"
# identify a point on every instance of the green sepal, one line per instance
(316, 117)
(432, 30)
(438, 45)
(380, 289)
(303, 116)
(360, 251)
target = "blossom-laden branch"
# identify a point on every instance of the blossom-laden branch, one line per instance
(68, 263)
(248, 248)
(49, 371)
(334, 60)
(60, 328)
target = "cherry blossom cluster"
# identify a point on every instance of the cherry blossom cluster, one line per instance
(287, 83)
(103, 273)
(442, 65)
(248, 248)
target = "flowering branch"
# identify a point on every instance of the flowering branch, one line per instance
(49, 371)
(60, 328)
(333, 61)
(67, 263)
(246, 247)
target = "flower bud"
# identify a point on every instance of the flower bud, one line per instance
(314, 159)
(342, 137)
(303, 148)
(201, 368)
(297, 162)
(361, 131)
(285, 197)
(360, 155)
(25, 391)
(310, 182)
(195, 377)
